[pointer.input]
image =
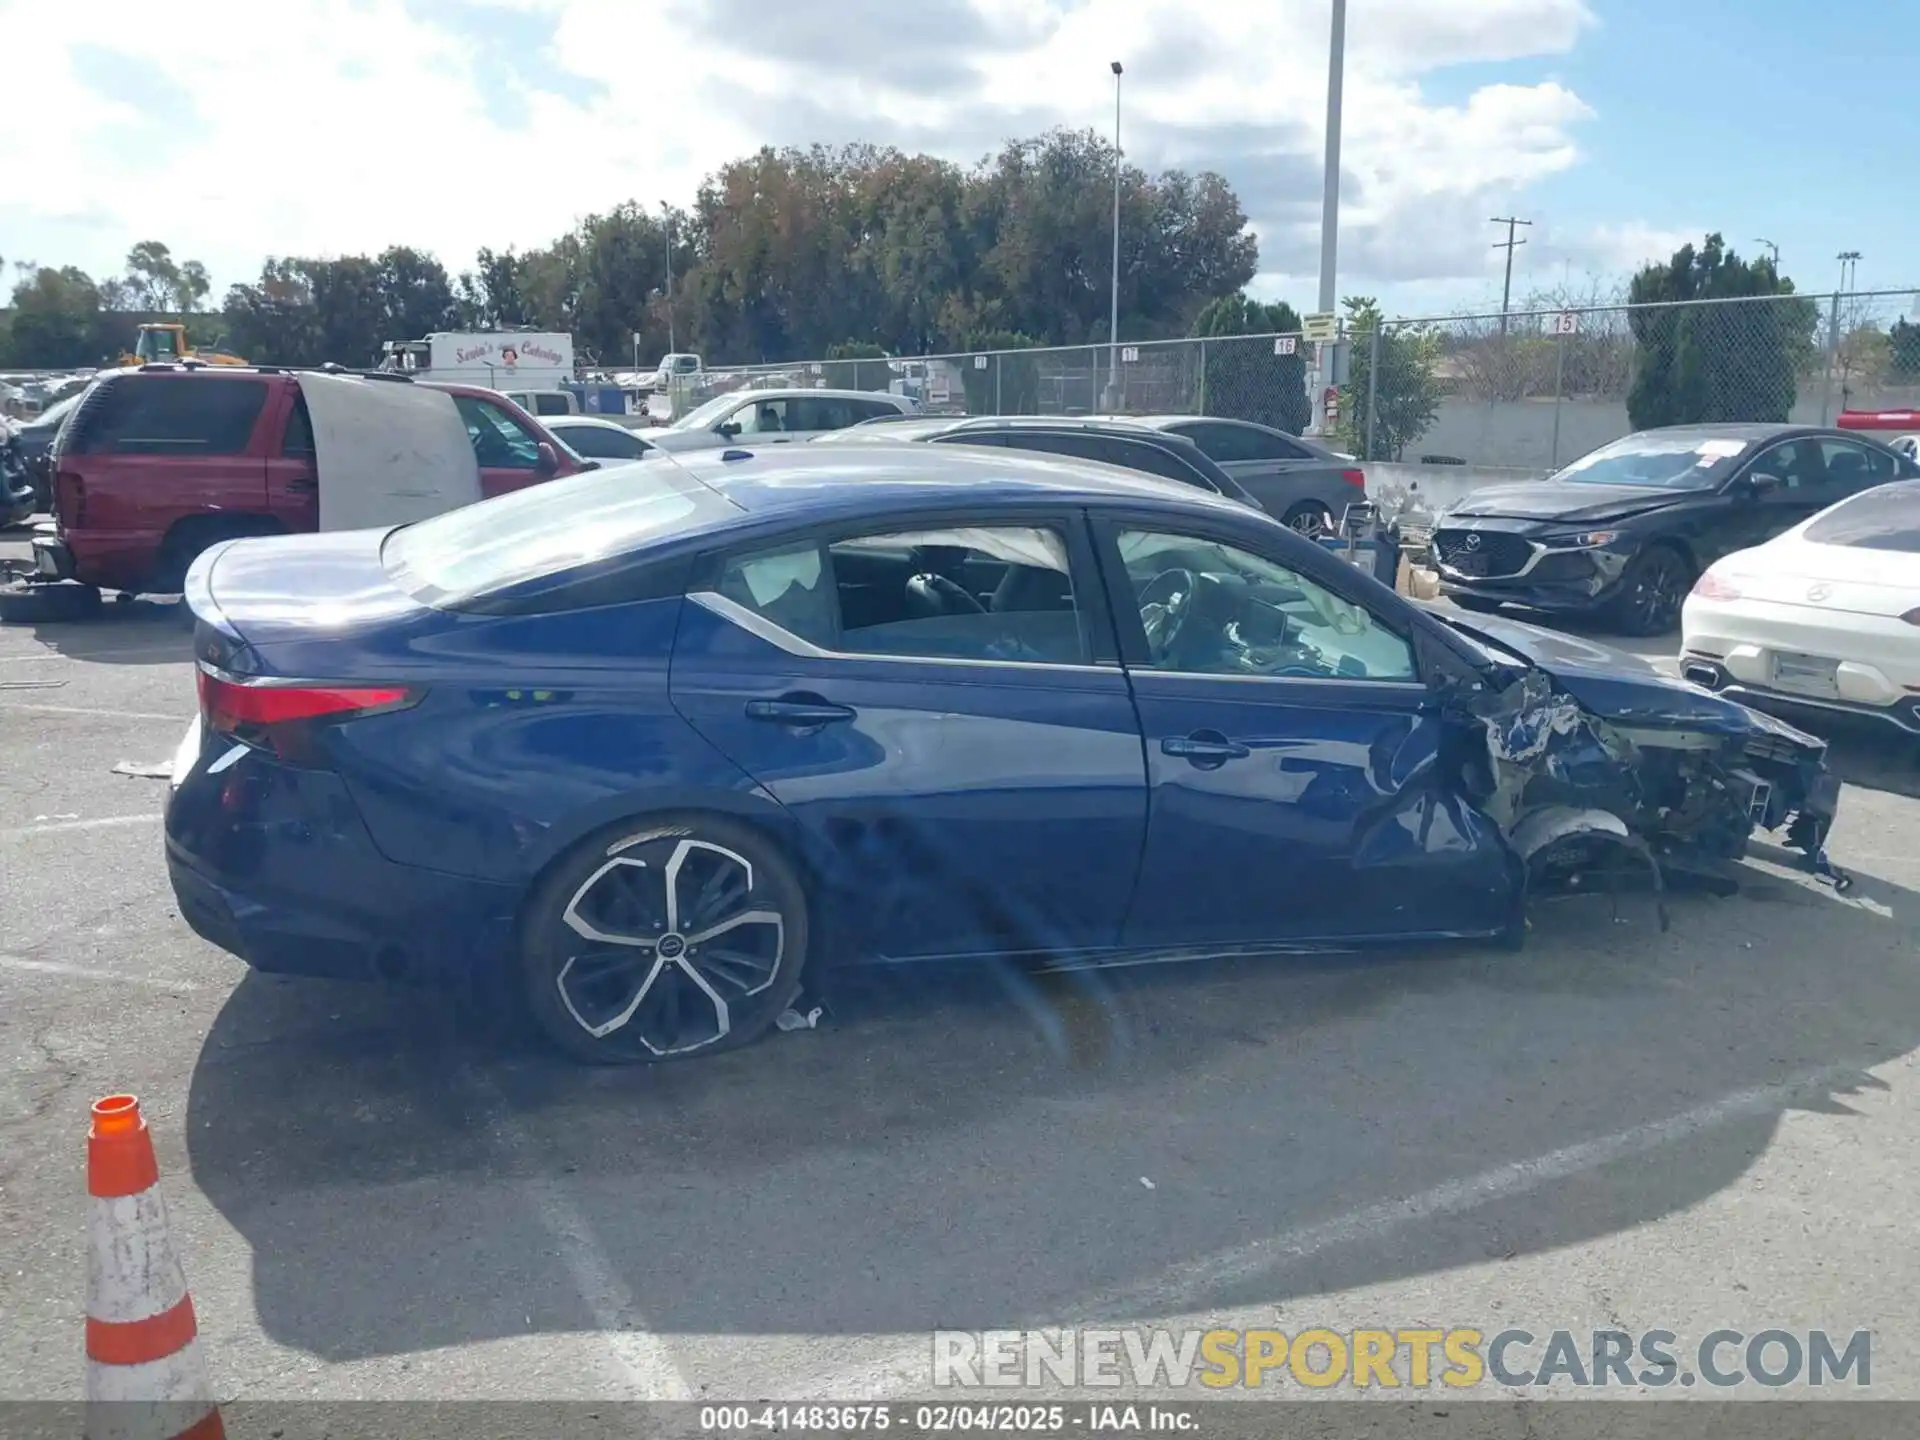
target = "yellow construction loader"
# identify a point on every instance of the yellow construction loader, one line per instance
(160, 343)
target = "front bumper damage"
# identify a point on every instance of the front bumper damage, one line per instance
(1585, 800)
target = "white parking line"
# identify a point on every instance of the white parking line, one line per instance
(642, 1356)
(61, 827)
(1178, 1288)
(99, 714)
(83, 972)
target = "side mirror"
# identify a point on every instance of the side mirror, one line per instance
(728, 428)
(1759, 482)
(549, 463)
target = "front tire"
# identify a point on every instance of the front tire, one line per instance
(663, 939)
(1653, 589)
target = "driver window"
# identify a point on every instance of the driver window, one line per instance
(762, 417)
(1212, 609)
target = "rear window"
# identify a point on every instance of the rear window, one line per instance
(547, 530)
(170, 415)
(1884, 518)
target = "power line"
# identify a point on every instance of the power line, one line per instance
(1509, 245)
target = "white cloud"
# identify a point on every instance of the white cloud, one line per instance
(336, 126)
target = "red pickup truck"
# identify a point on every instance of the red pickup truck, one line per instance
(158, 463)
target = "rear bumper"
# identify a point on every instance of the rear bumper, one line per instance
(1733, 647)
(52, 560)
(272, 864)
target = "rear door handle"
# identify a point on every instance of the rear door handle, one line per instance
(798, 711)
(302, 486)
(1205, 748)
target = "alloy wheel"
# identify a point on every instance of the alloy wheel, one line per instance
(670, 946)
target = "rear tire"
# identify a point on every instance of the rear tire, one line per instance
(1309, 518)
(186, 540)
(662, 939)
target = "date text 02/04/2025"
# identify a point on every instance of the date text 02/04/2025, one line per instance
(948, 1419)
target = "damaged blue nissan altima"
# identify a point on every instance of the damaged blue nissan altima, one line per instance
(643, 750)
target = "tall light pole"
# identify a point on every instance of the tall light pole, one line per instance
(1849, 267)
(667, 210)
(1330, 206)
(1772, 249)
(1113, 315)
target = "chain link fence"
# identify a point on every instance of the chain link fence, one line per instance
(1530, 389)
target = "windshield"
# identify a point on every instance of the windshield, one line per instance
(706, 415)
(1687, 461)
(539, 532)
(1884, 518)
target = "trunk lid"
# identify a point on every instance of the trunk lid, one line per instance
(321, 606)
(1848, 579)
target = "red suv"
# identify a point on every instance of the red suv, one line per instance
(158, 463)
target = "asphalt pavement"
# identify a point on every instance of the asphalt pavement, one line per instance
(378, 1196)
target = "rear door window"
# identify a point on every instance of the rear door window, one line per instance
(173, 415)
(1138, 455)
(1856, 467)
(966, 593)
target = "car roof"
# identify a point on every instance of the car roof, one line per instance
(907, 427)
(787, 392)
(859, 480)
(1748, 430)
(599, 422)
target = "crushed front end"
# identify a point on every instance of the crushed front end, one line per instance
(1671, 791)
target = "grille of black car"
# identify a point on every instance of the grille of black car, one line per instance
(1480, 552)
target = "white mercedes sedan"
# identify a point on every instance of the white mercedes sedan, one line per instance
(1826, 615)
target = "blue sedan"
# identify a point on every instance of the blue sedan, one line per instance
(655, 744)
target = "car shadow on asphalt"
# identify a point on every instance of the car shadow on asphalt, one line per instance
(982, 1148)
(142, 631)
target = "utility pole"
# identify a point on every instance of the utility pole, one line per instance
(1509, 245)
(1324, 368)
(1773, 250)
(667, 210)
(1113, 314)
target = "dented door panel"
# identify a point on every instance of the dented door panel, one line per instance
(1298, 811)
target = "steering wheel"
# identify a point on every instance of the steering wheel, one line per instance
(932, 595)
(1165, 603)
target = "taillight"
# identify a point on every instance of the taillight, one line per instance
(1355, 478)
(281, 717)
(1715, 587)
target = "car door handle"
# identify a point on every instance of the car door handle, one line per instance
(798, 710)
(1204, 747)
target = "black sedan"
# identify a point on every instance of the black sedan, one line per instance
(1621, 534)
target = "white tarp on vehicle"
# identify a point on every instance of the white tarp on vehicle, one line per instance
(387, 453)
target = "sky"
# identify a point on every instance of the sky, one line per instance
(1620, 128)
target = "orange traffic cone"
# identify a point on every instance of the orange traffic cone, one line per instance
(146, 1377)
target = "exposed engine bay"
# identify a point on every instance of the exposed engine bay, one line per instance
(1580, 796)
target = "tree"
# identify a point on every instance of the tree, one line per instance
(1862, 358)
(1247, 379)
(54, 318)
(857, 365)
(1010, 383)
(1735, 360)
(1903, 349)
(1404, 397)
